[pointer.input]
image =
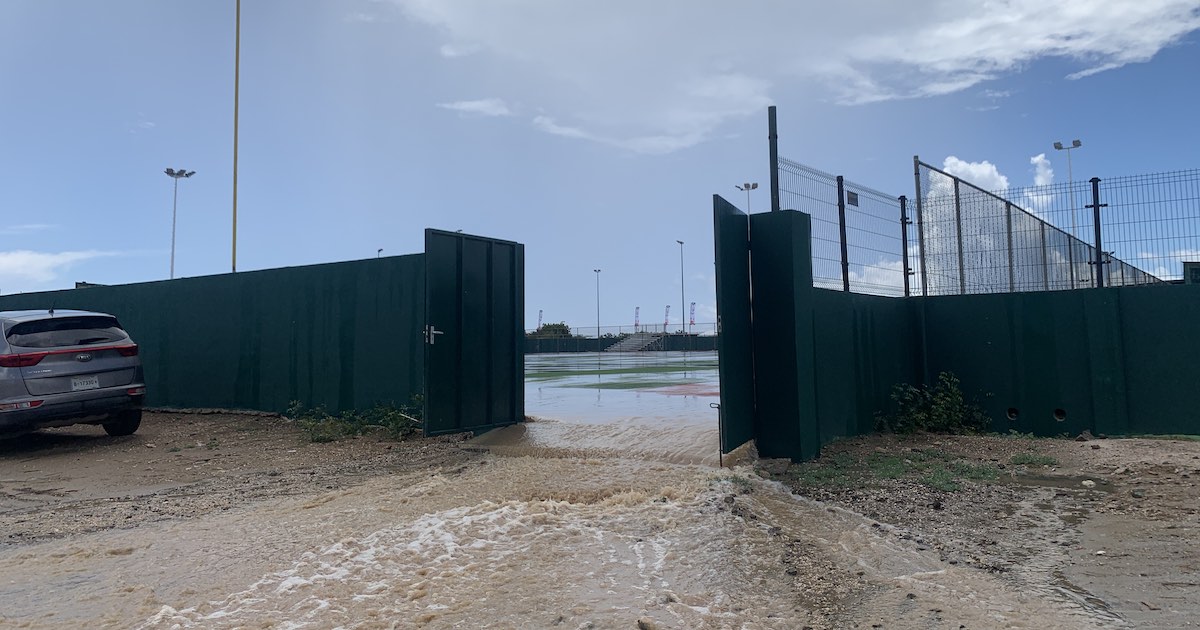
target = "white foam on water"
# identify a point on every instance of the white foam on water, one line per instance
(514, 563)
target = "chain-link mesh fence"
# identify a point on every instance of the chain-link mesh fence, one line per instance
(969, 240)
(872, 238)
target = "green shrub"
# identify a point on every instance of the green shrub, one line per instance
(941, 408)
(322, 426)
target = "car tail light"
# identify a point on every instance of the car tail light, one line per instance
(128, 351)
(28, 404)
(22, 360)
(136, 391)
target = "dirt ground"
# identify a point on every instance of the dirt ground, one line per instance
(905, 532)
(76, 480)
(1108, 523)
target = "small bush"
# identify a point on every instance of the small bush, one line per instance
(941, 408)
(322, 426)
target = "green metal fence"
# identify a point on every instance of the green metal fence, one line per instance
(343, 335)
(1118, 360)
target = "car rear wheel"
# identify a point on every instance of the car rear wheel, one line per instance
(124, 422)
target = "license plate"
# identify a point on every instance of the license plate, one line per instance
(80, 383)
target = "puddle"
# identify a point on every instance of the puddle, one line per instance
(1060, 482)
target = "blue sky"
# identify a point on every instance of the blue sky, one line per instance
(593, 132)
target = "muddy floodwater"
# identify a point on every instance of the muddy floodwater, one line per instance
(608, 510)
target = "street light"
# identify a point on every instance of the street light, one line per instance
(1058, 146)
(597, 311)
(176, 175)
(682, 299)
(748, 186)
(237, 65)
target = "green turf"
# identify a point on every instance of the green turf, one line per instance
(629, 384)
(637, 369)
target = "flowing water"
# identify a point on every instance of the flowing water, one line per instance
(606, 510)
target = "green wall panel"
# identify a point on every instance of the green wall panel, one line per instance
(1161, 330)
(781, 285)
(1112, 361)
(343, 335)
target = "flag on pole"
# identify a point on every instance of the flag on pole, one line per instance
(637, 315)
(692, 319)
(667, 318)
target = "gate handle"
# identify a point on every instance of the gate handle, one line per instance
(430, 331)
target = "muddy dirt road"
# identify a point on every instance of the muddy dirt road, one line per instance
(232, 521)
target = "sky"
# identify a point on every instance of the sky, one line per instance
(594, 132)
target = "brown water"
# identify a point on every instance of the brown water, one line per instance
(514, 542)
(570, 523)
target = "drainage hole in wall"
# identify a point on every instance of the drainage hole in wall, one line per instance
(1060, 414)
(1013, 412)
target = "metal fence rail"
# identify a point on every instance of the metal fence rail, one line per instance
(969, 240)
(1150, 221)
(955, 238)
(857, 241)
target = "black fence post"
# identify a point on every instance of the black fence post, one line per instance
(773, 138)
(962, 272)
(904, 242)
(1012, 278)
(841, 188)
(1045, 260)
(1095, 206)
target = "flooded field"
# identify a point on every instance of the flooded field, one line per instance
(606, 511)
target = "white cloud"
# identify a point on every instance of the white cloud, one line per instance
(450, 51)
(658, 76)
(983, 174)
(1043, 174)
(481, 107)
(23, 269)
(28, 228)
(361, 17)
(1168, 266)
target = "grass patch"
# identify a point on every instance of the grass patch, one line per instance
(322, 426)
(935, 468)
(941, 479)
(1033, 459)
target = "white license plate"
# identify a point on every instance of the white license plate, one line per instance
(80, 383)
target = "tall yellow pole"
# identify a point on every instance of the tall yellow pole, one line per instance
(237, 55)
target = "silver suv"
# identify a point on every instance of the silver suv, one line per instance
(59, 368)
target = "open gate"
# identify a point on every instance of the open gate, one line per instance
(474, 332)
(735, 340)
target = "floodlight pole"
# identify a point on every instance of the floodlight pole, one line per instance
(176, 175)
(237, 57)
(682, 298)
(597, 311)
(748, 186)
(1058, 146)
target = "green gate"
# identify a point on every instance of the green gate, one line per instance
(735, 340)
(474, 336)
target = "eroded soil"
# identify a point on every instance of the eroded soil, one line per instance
(233, 521)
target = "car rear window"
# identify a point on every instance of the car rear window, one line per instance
(66, 331)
